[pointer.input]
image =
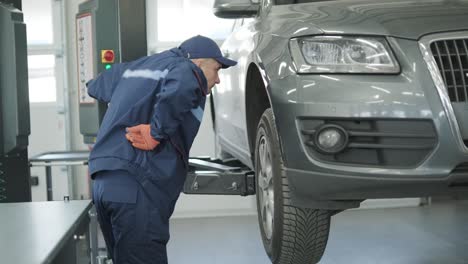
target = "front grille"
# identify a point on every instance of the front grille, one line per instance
(451, 57)
(374, 142)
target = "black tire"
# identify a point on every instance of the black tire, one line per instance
(295, 235)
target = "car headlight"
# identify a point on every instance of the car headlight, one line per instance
(343, 54)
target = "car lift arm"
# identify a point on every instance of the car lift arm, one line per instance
(207, 176)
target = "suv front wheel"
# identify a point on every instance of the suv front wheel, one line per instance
(290, 235)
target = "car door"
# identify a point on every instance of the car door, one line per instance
(229, 95)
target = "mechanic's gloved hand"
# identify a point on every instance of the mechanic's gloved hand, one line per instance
(140, 137)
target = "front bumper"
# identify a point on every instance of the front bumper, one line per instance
(410, 95)
(332, 191)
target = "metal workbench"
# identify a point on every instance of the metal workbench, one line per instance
(45, 232)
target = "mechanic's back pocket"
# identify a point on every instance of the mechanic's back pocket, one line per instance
(115, 186)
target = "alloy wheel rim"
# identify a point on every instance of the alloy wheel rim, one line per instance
(266, 191)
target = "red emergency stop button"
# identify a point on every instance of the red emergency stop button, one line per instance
(107, 56)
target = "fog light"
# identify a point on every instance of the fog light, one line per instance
(331, 139)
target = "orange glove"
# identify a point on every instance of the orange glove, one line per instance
(140, 137)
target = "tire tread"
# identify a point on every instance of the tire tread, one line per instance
(305, 231)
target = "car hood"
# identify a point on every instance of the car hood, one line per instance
(398, 18)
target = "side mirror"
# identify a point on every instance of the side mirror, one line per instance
(236, 8)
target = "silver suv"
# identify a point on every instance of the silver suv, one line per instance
(335, 102)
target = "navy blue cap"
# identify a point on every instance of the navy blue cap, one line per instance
(202, 47)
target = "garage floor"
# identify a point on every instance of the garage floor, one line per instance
(415, 235)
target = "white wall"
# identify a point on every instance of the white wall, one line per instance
(47, 134)
(48, 126)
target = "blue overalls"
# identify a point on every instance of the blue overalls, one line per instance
(135, 191)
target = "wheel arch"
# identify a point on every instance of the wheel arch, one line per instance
(257, 100)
